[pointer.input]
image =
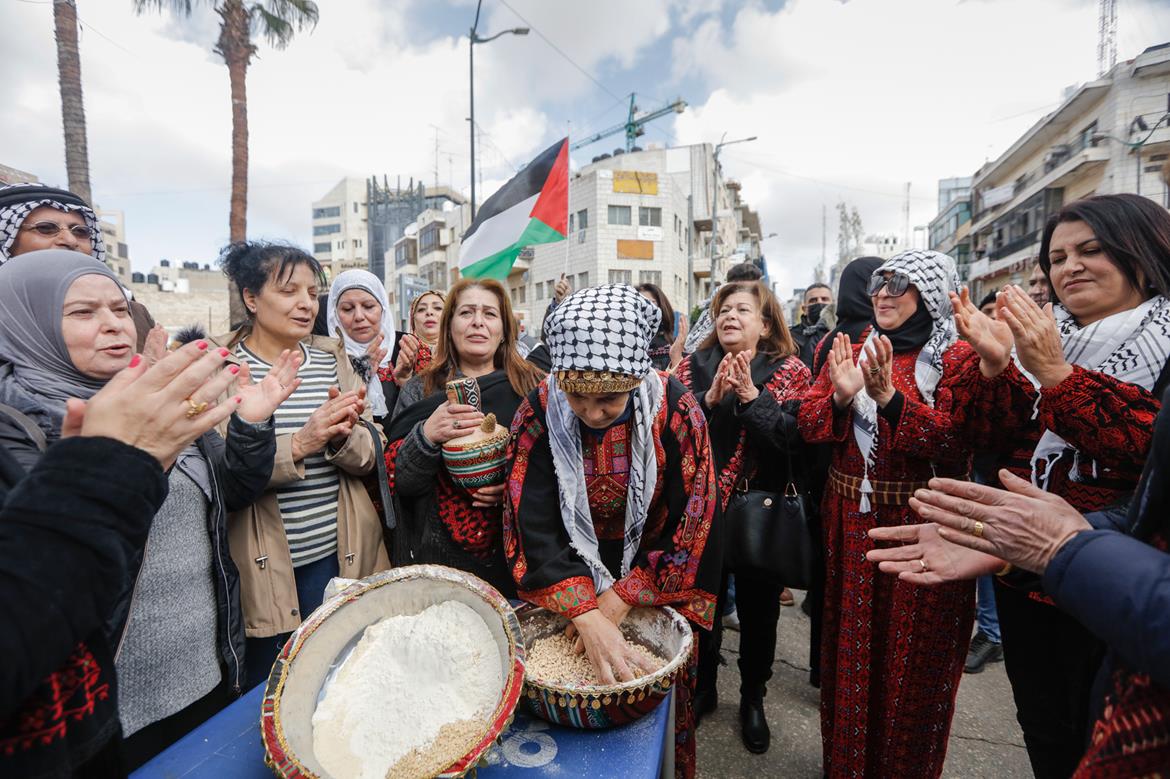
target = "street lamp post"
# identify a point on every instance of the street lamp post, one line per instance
(715, 200)
(473, 39)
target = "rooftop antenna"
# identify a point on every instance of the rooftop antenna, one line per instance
(1106, 36)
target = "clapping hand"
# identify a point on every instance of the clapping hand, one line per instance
(680, 340)
(879, 370)
(1021, 524)
(920, 556)
(739, 377)
(407, 354)
(846, 376)
(260, 400)
(376, 352)
(990, 338)
(158, 408)
(1037, 338)
(331, 423)
(154, 348)
(719, 384)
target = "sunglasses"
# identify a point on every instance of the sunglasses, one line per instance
(50, 230)
(896, 284)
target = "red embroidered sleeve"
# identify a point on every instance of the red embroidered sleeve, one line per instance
(1106, 419)
(668, 572)
(571, 597)
(938, 430)
(525, 430)
(821, 422)
(386, 372)
(391, 455)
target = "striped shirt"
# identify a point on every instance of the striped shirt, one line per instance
(309, 506)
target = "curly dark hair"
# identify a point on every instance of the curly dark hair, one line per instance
(250, 264)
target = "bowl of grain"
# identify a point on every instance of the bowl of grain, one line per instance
(562, 687)
(412, 672)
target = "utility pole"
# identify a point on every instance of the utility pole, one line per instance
(472, 39)
(906, 237)
(825, 241)
(715, 200)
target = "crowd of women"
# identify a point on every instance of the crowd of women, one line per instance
(224, 483)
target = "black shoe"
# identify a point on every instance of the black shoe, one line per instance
(981, 652)
(753, 726)
(706, 701)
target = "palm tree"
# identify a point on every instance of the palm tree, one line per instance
(277, 21)
(72, 107)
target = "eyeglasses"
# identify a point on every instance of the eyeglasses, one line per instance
(50, 230)
(896, 284)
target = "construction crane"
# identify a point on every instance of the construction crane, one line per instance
(633, 126)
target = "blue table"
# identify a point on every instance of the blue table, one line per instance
(228, 746)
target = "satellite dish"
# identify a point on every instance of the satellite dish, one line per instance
(410, 230)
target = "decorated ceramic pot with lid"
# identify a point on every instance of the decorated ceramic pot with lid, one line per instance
(477, 459)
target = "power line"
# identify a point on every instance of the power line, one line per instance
(835, 185)
(558, 50)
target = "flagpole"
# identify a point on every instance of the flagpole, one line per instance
(568, 196)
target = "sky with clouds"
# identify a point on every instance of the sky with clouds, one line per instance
(848, 100)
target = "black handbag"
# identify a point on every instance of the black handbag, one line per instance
(768, 535)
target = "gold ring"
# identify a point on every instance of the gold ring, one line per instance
(195, 409)
(922, 562)
(977, 530)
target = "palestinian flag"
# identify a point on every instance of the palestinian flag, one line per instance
(532, 208)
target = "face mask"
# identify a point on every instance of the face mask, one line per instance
(813, 312)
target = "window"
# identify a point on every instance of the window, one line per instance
(571, 222)
(326, 229)
(583, 218)
(404, 254)
(519, 294)
(649, 217)
(428, 239)
(650, 277)
(552, 287)
(355, 206)
(318, 248)
(621, 276)
(539, 290)
(583, 280)
(326, 213)
(357, 243)
(619, 215)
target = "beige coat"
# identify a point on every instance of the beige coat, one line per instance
(268, 591)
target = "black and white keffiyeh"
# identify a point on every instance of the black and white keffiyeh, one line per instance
(935, 276)
(1131, 346)
(603, 331)
(17, 201)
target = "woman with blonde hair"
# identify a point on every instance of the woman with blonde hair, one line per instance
(438, 521)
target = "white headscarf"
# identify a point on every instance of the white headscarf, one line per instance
(363, 280)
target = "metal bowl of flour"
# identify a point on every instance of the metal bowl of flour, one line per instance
(316, 650)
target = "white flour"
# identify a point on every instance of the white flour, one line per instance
(406, 678)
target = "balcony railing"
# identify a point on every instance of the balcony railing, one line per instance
(1011, 247)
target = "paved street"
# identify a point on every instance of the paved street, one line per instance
(985, 740)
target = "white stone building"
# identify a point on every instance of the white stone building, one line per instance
(642, 217)
(339, 227)
(1103, 139)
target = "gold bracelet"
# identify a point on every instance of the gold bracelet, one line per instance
(1007, 568)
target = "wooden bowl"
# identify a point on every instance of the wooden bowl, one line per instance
(299, 673)
(663, 631)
